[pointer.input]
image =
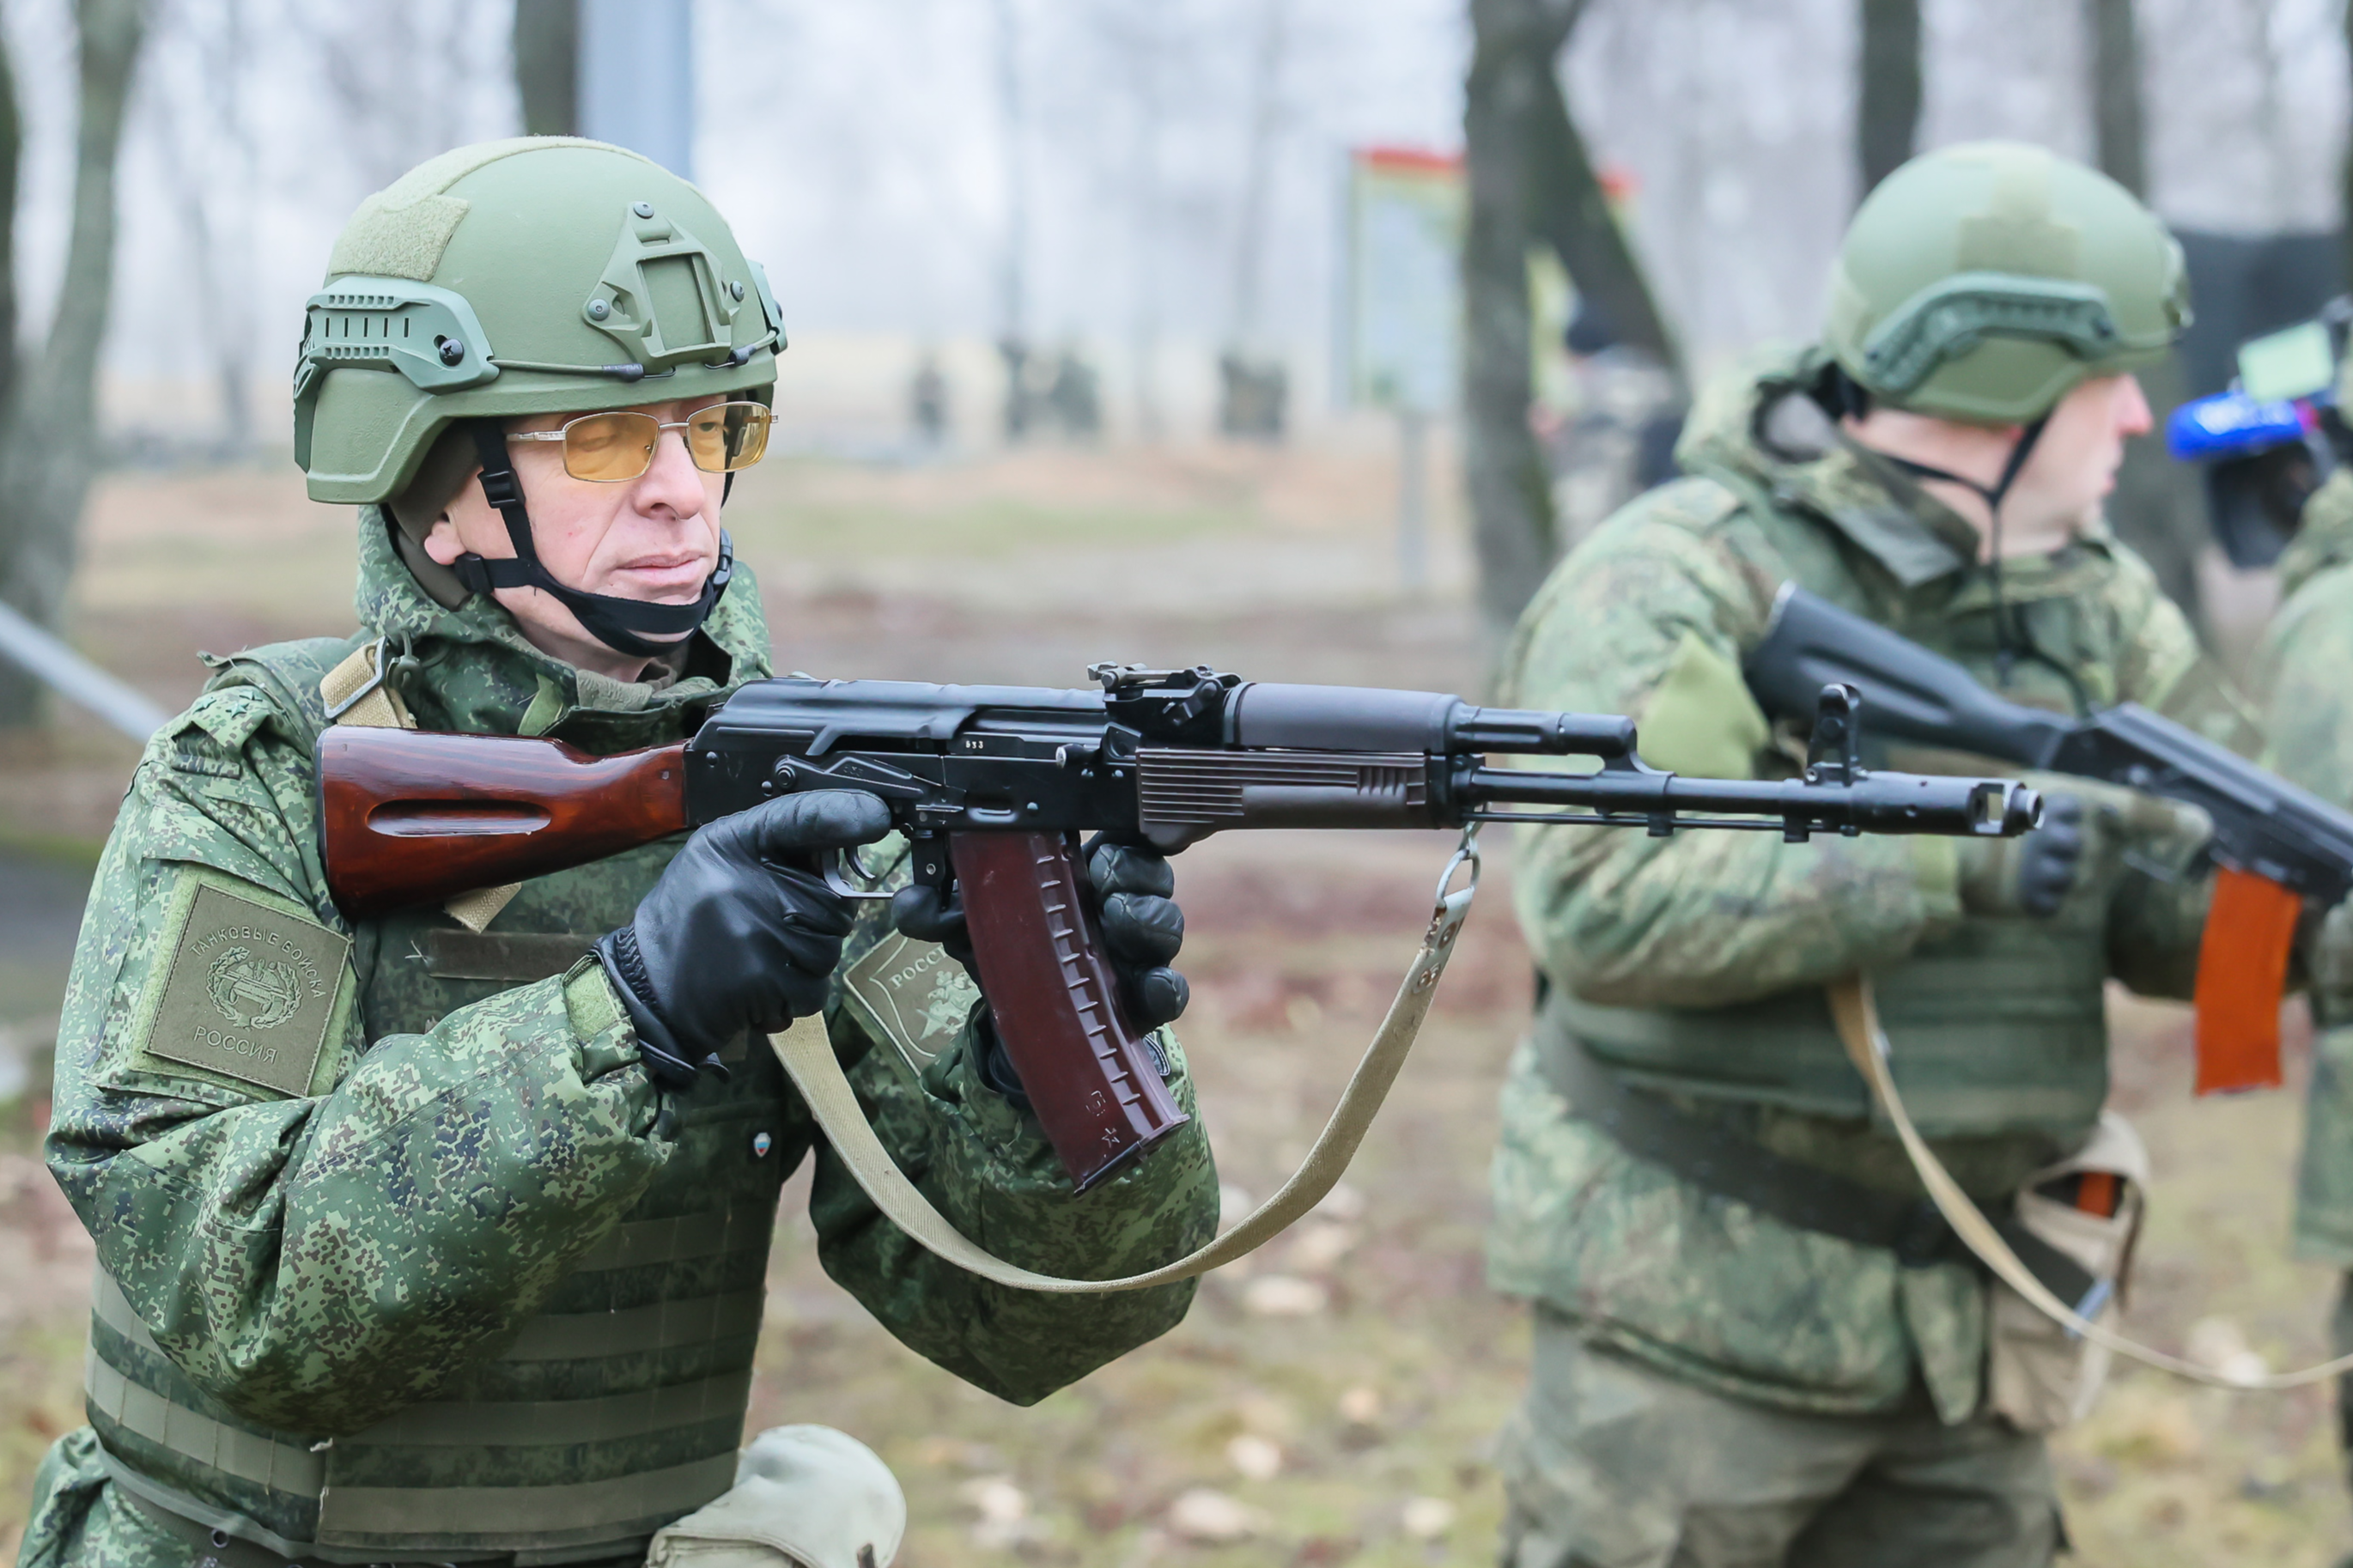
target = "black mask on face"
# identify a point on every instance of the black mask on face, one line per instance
(615, 622)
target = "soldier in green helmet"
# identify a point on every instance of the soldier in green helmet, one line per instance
(1755, 1342)
(440, 1238)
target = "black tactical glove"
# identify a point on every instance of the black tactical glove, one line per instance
(732, 938)
(1142, 929)
(2031, 874)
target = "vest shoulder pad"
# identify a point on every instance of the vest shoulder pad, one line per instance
(290, 673)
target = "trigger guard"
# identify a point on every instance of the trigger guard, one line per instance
(832, 862)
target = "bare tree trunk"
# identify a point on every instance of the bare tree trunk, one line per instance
(1513, 527)
(1887, 109)
(1568, 208)
(49, 441)
(547, 66)
(2116, 93)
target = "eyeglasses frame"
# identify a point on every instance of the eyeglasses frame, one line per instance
(564, 429)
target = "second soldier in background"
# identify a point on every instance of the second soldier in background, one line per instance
(1755, 1344)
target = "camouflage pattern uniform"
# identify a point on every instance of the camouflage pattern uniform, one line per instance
(2299, 673)
(1713, 1385)
(473, 1192)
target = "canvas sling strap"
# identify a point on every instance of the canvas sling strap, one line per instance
(1856, 1012)
(807, 1056)
(357, 693)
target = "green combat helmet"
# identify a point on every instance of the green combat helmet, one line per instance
(1983, 282)
(538, 275)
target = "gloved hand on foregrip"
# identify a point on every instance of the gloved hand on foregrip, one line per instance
(733, 937)
(2031, 874)
(1142, 929)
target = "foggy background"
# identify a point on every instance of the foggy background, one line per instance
(865, 154)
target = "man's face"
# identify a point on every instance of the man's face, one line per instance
(654, 538)
(2073, 466)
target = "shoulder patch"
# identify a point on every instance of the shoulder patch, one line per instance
(251, 991)
(912, 993)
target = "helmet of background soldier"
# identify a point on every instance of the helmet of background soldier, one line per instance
(1983, 282)
(536, 275)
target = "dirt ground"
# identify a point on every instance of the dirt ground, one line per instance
(1332, 1401)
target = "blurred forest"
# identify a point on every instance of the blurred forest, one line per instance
(1142, 195)
(899, 162)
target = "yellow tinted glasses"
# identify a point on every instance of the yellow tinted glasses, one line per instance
(613, 448)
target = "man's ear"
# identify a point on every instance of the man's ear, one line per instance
(441, 541)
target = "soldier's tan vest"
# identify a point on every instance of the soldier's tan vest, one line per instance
(617, 1409)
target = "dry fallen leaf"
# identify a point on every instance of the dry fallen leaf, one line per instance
(995, 1499)
(1004, 1511)
(1427, 1518)
(1342, 1203)
(2221, 1346)
(1213, 1518)
(1317, 1245)
(1361, 1407)
(1258, 1459)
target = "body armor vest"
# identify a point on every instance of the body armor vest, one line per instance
(1997, 1026)
(617, 1409)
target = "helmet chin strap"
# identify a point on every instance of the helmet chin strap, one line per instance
(2005, 656)
(613, 621)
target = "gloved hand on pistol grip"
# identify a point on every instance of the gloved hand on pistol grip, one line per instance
(733, 937)
(2031, 874)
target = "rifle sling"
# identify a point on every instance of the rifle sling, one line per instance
(807, 1056)
(1712, 1153)
(1857, 1014)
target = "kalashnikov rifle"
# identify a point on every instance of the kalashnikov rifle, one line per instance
(2276, 846)
(993, 785)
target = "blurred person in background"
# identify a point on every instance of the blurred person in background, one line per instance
(1620, 440)
(2302, 672)
(1756, 1342)
(441, 1236)
(927, 402)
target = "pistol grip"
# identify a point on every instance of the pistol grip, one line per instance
(1087, 1071)
(2242, 972)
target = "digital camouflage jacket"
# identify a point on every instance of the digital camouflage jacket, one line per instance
(337, 1173)
(1713, 941)
(2299, 674)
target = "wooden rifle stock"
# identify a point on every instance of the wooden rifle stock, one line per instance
(417, 816)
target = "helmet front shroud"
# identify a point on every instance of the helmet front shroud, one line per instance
(537, 275)
(1984, 282)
